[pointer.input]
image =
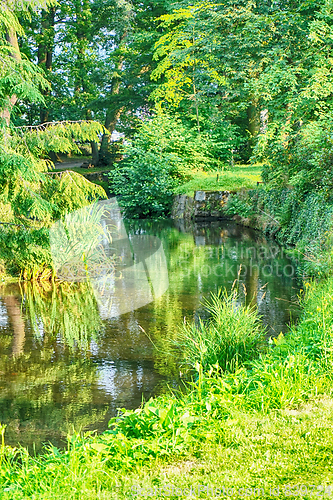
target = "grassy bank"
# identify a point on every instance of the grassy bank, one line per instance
(233, 179)
(256, 429)
(267, 424)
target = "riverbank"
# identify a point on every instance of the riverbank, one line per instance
(266, 426)
(302, 224)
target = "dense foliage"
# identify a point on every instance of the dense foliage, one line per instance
(194, 86)
(252, 84)
(202, 84)
(304, 224)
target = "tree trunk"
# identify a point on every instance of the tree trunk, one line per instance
(253, 120)
(82, 27)
(11, 38)
(253, 116)
(45, 53)
(113, 115)
(111, 120)
(95, 153)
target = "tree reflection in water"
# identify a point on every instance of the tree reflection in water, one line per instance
(47, 380)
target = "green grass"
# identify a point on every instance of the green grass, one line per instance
(267, 425)
(234, 179)
(253, 451)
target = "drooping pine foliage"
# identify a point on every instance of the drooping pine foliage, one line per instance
(31, 195)
(30, 189)
(60, 137)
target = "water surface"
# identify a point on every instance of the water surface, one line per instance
(65, 363)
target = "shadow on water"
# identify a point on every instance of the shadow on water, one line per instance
(65, 362)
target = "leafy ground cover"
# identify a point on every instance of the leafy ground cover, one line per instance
(282, 455)
(262, 431)
(233, 179)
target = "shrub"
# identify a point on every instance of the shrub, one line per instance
(162, 154)
(300, 157)
(144, 184)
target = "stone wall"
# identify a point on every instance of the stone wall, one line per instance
(204, 205)
(210, 206)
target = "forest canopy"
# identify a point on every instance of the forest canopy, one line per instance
(239, 81)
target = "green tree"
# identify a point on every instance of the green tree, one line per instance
(18, 77)
(98, 57)
(264, 67)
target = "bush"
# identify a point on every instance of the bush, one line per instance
(162, 154)
(301, 157)
(144, 184)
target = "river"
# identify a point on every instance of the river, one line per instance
(67, 360)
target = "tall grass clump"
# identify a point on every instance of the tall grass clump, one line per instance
(231, 337)
(297, 367)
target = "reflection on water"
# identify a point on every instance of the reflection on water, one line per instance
(67, 361)
(92, 244)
